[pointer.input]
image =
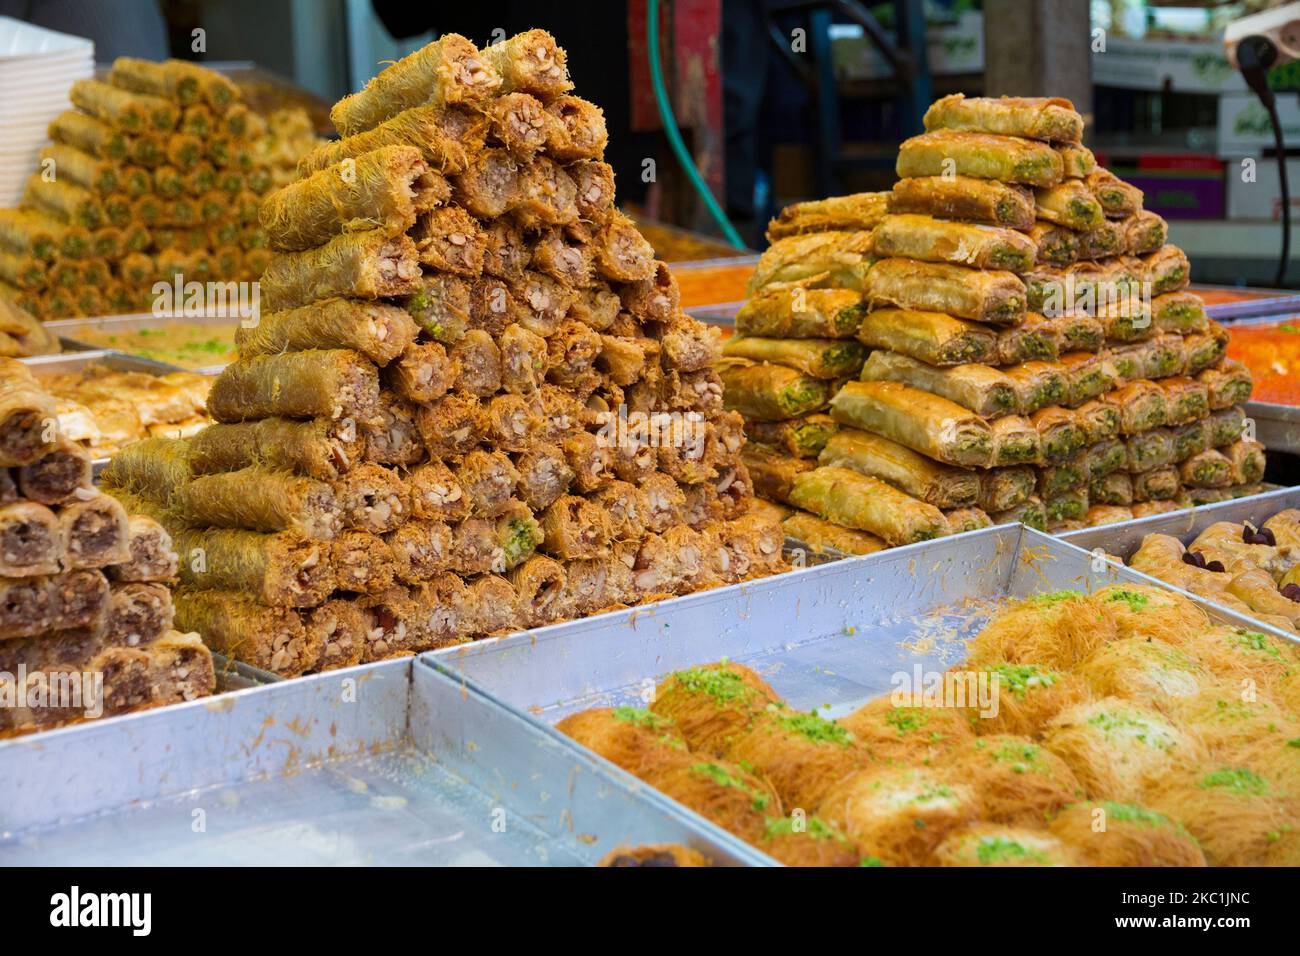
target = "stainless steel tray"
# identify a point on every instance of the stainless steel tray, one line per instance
(1122, 539)
(67, 362)
(827, 638)
(67, 330)
(1277, 426)
(1278, 302)
(388, 763)
(723, 314)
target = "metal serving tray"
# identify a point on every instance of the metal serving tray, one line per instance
(388, 763)
(828, 638)
(1277, 426)
(67, 330)
(1125, 537)
(67, 362)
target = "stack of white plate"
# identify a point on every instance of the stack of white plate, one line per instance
(37, 68)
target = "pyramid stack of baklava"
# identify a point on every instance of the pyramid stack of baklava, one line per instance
(471, 404)
(86, 623)
(156, 174)
(1035, 354)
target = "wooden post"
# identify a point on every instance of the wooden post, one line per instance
(1039, 48)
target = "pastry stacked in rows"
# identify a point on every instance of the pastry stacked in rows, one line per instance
(472, 404)
(86, 624)
(1255, 571)
(157, 173)
(1034, 353)
(1121, 728)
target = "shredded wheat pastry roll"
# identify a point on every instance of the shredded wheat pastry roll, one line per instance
(339, 626)
(332, 383)
(368, 265)
(983, 390)
(859, 212)
(937, 240)
(420, 549)
(272, 638)
(544, 475)
(518, 121)
(564, 257)
(857, 501)
(964, 197)
(447, 71)
(622, 253)
(319, 448)
(450, 240)
(531, 62)
(28, 606)
(926, 423)
(281, 569)
(545, 195)
(575, 528)
(539, 583)
(259, 499)
(576, 130)
(1007, 159)
(595, 189)
(1052, 119)
(373, 498)
(441, 306)
(381, 190)
(445, 138)
(378, 331)
(996, 297)
(363, 562)
(834, 258)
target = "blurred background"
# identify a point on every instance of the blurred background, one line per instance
(781, 100)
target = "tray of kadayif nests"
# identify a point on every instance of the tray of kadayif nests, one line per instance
(1006, 336)
(470, 404)
(1039, 712)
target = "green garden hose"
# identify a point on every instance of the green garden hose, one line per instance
(675, 135)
